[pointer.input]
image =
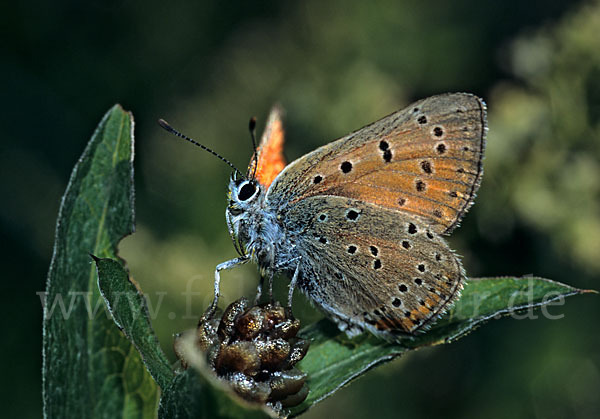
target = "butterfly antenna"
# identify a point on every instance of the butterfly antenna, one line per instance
(252, 128)
(165, 125)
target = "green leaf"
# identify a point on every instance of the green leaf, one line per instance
(333, 360)
(129, 310)
(197, 393)
(90, 369)
(191, 395)
(185, 398)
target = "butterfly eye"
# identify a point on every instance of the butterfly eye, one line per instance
(247, 191)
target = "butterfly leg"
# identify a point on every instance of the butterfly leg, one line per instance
(259, 289)
(291, 290)
(220, 267)
(271, 288)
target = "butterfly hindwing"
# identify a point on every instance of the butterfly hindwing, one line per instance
(425, 160)
(368, 268)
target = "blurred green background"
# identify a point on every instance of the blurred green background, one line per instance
(334, 66)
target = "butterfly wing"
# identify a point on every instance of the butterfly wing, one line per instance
(366, 211)
(425, 160)
(269, 161)
(369, 268)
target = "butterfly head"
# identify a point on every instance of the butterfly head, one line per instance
(245, 196)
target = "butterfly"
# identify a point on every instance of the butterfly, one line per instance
(358, 223)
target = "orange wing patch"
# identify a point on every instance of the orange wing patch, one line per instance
(270, 160)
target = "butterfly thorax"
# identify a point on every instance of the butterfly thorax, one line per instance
(255, 229)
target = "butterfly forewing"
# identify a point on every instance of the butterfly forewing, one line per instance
(425, 160)
(389, 274)
(270, 160)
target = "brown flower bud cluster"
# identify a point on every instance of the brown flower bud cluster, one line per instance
(255, 350)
